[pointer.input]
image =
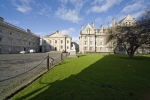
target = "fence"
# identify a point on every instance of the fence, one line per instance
(23, 71)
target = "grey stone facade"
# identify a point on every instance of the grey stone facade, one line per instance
(14, 39)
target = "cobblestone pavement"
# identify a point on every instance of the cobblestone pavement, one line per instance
(17, 70)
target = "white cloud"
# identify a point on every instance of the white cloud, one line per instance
(70, 14)
(102, 5)
(45, 10)
(75, 39)
(68, 31)
(67, 14)
(22, 5)
(13, 22)
(133, 7)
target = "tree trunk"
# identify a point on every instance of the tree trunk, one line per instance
(131, 55)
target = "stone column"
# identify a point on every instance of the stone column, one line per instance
(82, 39)
(88, 43)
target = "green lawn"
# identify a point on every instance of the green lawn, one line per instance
(93, 77)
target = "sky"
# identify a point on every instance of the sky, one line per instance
(44, 17)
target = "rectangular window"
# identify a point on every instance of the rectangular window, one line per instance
(11, 41)
(67, 41)
(0, 39)
(67, 47)
(49, 41)
(55, 41)
(61, 47)
(90, 42)
(29, 43)
(100, 48)
(101, 43)
(90, 48)
(1, 31)
(61, 41)
(85, 48)
(85, 42)
(10, 33)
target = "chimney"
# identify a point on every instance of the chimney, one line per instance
(102, 27)
(57, 31)
(28, 30)
(82, 27)
(108, 25)
(1, 19)
(92, 24)
(113, 22)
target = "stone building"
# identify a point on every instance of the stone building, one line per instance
(56, 42)
(14, 39)
(97, 40)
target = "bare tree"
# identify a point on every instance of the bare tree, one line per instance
(132, 37)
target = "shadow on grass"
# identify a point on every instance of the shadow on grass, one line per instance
(110, 78)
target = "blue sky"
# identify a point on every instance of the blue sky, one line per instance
(43, 17)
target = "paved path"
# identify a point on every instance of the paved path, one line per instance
(16, 70)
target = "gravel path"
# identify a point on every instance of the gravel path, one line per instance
(17, 70)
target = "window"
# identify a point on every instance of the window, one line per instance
(100, 38)
(1, 31)
(49, 41)
(89, 31)
(129, 23)
(90, 42)
(49, 47)
(10, 48)
(85, 37)
(67, 47)
(29, 43)
(61, 47)
(0, 48)
(67, 41)
(44, 41)
(85, 42)
(100, 48)
(55, 41)
(90, 48)
(126, 23)
(85, 48)
(10, 33)
(61, 41)
(101, 43)
(11, 41)
(0, 39)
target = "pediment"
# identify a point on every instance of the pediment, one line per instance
(128, 17)
(88, 27)
(56, 35)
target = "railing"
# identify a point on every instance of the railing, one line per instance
(19, 75)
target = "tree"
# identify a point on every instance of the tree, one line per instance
(132, 37)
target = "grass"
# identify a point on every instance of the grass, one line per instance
(93, 77)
